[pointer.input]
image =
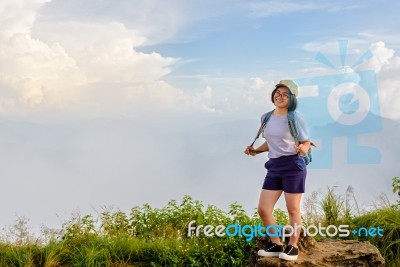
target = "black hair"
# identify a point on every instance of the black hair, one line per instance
(292, 98)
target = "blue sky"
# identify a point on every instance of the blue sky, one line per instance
(126, 102)
(247, 41)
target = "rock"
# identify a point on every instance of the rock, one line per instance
(325, 252)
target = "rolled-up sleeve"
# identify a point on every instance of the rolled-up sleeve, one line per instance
(301, 128)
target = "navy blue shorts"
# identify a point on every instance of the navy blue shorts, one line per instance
(287, 173)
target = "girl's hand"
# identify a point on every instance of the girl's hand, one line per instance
(250, 151)
(302, 149)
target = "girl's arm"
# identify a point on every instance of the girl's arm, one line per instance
(252, 152)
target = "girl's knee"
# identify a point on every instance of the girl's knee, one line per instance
(293, 211)
(263, 212)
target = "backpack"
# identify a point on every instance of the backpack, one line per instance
(292, 128)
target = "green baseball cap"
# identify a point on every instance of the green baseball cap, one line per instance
(289, 84)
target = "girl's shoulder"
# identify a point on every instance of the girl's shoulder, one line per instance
(298, 115)
(266, 116)
(299, 119)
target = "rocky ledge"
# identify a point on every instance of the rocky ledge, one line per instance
(325, 252)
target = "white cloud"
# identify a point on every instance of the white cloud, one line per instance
(388, 84)
(207, 92)
(381, 56)
(391, 38)
(386, 65)
(159, 21)
(260, 8)
(205, 101)
(258, 84)
(259, 92)
(17, 16)
(78, 67)
(37, 72)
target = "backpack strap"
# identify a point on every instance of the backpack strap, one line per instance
(264, 119)
(293, 127)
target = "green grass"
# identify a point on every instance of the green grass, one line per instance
(129, 251)
(158, 237)
(389, 220)
(146, 237)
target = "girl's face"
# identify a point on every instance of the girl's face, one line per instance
(281, 97)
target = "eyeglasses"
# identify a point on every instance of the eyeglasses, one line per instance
(283, 96)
